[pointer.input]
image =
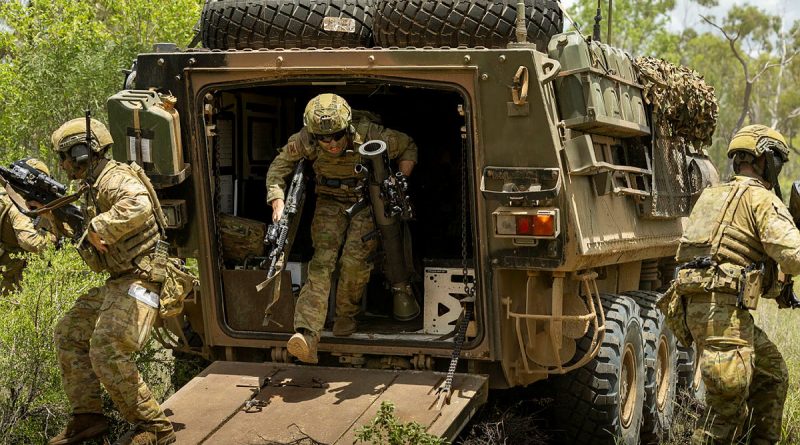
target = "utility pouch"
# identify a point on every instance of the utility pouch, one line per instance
(672, 305)
(751, 286)
(176, 282)
(693, 281)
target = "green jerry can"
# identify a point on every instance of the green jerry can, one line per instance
(146, 129)
(597, 88)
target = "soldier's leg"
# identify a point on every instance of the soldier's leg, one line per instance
(768, 390)
(71, 338)
(327, 234)
(725, 334)
(12, 274)
(122, 329)
(354, 267)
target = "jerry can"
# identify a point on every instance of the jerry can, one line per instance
(146, 129)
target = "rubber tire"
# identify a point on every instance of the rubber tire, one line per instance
(240, 24)
(453, 23)
(656, 422)
(587, 403)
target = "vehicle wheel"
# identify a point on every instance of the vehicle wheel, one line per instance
(601, 403)
(240, 24)
(489, 23)
(660, 357)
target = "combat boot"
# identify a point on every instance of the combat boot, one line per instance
(139, 436)
(304, 347)
(344, 326)
(405, 306)
(81, 427)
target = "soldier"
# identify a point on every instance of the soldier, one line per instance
(328, 139)
(98, 336)
(18, 234)
(736, 236)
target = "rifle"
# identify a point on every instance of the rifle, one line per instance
(34, 185)
(278, 233)
(787, 297)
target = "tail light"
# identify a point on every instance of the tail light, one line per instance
(521, 222)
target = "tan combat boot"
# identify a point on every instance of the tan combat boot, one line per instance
(344, 326)
(139, 436)
(405, 306)
(80, 428)
(304, 347)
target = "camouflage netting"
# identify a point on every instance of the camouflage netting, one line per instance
(680, 96)
(684, 118)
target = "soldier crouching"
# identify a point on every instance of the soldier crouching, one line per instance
(98, 336)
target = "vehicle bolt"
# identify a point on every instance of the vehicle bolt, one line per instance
(484, 76)
(178, 77)
(502, 58)
(192, 61)
(371, 59)
(279, 61)
(160, 62)
(467, 59)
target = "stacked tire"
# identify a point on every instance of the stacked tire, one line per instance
(241, 24)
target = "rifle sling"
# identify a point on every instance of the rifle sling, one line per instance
(19, 201)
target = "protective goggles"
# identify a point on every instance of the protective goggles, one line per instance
(328, 138)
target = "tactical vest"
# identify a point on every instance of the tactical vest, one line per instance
(709, 232)
(730, 251)
(120, 256)
(330, 170)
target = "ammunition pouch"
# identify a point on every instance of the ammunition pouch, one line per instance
(673, 306)
(176, 282)
(745, 282)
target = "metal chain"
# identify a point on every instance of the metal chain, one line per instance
(458, 342)
(213, 146)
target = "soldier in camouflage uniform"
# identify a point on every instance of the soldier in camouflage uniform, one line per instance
(736, 236)
(329, 139)
(98, 336)
(18, 234)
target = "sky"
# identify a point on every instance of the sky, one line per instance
(687, 13)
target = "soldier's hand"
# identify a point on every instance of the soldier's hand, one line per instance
(97, 241)
(277, 209)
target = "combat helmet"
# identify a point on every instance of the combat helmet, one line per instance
(74, 132)
(327, 114)
(756, 140)
(38, 165)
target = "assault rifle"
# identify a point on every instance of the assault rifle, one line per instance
(787, 297)
(34, 185)
(278, 233)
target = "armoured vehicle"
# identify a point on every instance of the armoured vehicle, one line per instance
(553, 177)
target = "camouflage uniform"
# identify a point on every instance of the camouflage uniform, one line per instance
(745, 375)
(331, 228)
(98, 336)
(17, 234)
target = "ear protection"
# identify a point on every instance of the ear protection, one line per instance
(79, 153)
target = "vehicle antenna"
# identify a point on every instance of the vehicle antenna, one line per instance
(522, 32)
(597, 19)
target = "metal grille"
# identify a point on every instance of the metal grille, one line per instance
(671, 191)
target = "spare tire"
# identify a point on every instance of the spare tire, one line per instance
(489, 23)
(240, 24)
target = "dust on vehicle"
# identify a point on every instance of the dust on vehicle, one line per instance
(554, 172)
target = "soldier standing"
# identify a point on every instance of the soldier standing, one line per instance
(328, 139)
(736, 236)
(18, 234)
(98, 336)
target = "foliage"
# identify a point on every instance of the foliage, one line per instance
(386, 429)
(31, 401)
(64, 55)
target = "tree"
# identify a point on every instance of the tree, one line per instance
(61, 56)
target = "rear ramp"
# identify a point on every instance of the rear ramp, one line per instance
(256, 403)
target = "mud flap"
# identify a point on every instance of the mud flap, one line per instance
(237, 402)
